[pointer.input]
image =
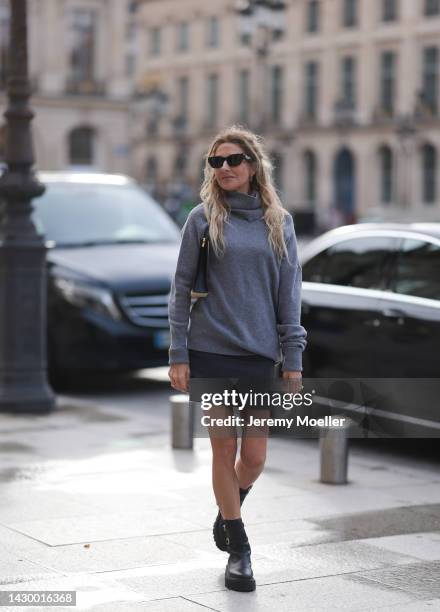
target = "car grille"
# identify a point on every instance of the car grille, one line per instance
(146, 310)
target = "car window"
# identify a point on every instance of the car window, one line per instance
(313, 270)
(76, 213)
(357, 262)
(418, 269)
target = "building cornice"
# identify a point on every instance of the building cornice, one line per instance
(74, 102)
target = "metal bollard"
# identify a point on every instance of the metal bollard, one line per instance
(333, 444)
(182, 421)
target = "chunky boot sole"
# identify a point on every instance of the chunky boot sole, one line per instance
(244, 585)
(219, 533)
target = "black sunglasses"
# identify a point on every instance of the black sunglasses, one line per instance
(233, 160)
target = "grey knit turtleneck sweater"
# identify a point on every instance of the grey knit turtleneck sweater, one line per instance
(254, 302)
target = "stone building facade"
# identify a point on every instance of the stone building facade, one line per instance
(346, 97)
(349, 99)
(81, 90)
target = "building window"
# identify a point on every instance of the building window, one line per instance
(244, 38)
(313, 16)
(348, 82)
(350, 13)
(311, 89)
(155, 41)
(212, 100)
(130, 48)
(81, 146)
(389, 10)
(213, 32)
(82, 45)
(183, 36)
(180, 165)
(243, 95)
(429, 174)
(387, 81)
(386, 174)
(430, 78)
(182, 98)
(152, 125)
(432, 8)
(310, 178)
(4, 44)
(276, 94)
(132, 7)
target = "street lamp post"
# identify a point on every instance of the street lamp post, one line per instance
(23, 366)
(260, 20)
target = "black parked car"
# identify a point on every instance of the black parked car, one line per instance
(112, 254)
(371, 306)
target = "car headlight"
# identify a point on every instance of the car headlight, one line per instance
(87, 296)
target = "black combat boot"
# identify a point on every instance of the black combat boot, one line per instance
(238, 574)
(219, 527)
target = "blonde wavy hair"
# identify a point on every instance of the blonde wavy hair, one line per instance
(212, 195)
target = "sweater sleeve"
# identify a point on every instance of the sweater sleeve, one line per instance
(179, 305)
(291, 333)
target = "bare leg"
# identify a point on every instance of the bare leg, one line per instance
(224, 479)
(253, 451)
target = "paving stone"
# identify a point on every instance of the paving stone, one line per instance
(90, 590)
(327, 593)
(112, 555)
(416, 494)
(93, 528)
(15, 505)
(206, 573)
(331, 558)
(431, 605)
(390, 521)
(327, 504)
(172, 604)
(15, 569)
(422, 545)
(421, 579)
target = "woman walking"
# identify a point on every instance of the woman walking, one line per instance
(249, 320)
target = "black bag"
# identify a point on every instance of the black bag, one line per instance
(200, 288)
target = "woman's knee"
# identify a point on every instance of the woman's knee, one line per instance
(253, 457)
(224, 450)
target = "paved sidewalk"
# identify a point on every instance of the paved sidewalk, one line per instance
(93, 499)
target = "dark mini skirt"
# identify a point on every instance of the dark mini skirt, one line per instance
(249, 368)
(213, 365)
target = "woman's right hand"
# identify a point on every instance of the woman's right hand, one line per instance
(179, 376)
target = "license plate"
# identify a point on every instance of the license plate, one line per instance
(161, 339)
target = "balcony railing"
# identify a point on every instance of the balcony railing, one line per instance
(86, 87)
(382, 114)
(308, 119)
(344, 112)
(425, 106)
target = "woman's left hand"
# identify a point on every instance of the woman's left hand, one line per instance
(292, 380)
